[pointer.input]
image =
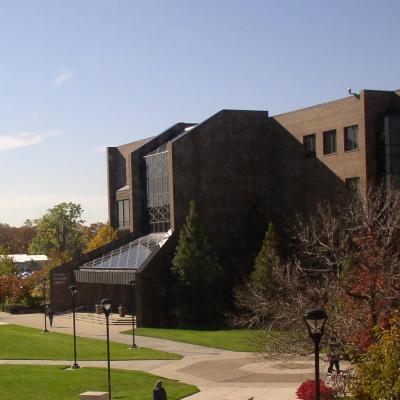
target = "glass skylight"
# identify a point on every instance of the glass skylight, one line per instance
(130, 256)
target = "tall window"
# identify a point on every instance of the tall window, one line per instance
(309, 146)
(123, 213)
(329, 139)
(157, 190)
(351, 138)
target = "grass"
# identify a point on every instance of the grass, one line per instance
(23, 343)
(43, 382)
(233, 339)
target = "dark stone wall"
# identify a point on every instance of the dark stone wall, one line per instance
(116, 177)
(222, 165)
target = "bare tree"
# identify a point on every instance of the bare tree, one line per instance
(344, 258)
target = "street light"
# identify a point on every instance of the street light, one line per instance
(132, 285)
(107, 309)
(44, 281)
(315, 322)
(74, 291)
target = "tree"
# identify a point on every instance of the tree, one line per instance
(357, 245)
(59, 233)
(344, 258)
(198, 274)
(262, 275)
(106, 234)
(7, 264)
(16, 239)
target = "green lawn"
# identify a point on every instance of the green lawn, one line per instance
(23, 343)
(234, 339)
(43, 382)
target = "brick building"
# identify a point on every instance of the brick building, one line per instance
(229, 162)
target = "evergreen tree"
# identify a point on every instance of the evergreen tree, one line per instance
(262, 276)
(198, 273)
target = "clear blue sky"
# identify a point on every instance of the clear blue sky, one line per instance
(76, 76)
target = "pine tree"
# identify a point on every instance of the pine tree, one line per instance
(198, 273)
(267, 258)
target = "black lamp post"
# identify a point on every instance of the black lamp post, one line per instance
(132, 285)
(315, 321)
(44, 282)
(107, 309)
(74, 291)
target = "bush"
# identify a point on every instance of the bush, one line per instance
(306, 391)
(16, 308)
(378, 372)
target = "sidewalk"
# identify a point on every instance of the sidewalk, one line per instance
(219, 374)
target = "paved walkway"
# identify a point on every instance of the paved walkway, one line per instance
(219, 374)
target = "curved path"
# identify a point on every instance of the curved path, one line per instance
(219, 374)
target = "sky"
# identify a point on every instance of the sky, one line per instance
(77, 76)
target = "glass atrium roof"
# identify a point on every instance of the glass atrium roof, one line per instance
(131, 255)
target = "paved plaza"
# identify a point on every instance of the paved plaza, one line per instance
(219, 374)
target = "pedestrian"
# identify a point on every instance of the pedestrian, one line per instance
(50, 314)
(333, 354)
(159, 392)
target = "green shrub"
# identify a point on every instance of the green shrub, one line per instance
(378, 374)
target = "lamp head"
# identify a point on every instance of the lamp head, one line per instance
(132, 283)
(73, 289)
(43, 280)
(106, 303)
(315, 321)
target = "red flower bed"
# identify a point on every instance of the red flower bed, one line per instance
(306, 391)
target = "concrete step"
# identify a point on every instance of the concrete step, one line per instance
(114, 319)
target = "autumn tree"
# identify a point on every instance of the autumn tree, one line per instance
(198, 274)
(59, 233)
(16, 239)
(105, 234)
(378, 371)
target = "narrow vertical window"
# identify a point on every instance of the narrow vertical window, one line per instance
(123, 213)
(351, 138)
(309, 146)
(329, 138)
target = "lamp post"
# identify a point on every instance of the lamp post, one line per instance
(315, 322)
(107, 309)
(132, 285)
(73, 290)
(44, 281)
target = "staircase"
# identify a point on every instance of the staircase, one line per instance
(94, 318)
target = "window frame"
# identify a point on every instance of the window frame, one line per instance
(325, 142)
(310, 153)
(124, 206)
(346, 130)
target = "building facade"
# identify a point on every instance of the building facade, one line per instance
(226, 164)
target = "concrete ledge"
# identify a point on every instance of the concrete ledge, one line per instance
(94, 396)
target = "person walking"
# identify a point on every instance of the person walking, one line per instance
(159, 392)
(50, 314)
(333, 354)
